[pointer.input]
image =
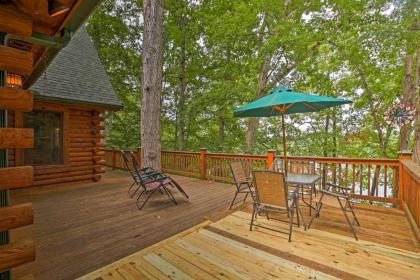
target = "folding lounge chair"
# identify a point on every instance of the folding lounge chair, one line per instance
(150, 186)
(159, 175)
(338, 197)
(148, 174)
(243, 184)
(272, 197)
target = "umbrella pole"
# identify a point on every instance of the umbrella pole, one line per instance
(284, 142)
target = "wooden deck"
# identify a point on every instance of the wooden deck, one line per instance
(81, 227)
(228, 250)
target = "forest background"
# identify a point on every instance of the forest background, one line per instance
(219, 55)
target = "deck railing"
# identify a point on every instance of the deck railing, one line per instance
(369, 179)
(391, 181)
(410, 194)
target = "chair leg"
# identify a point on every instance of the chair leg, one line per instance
(301, 215)
(236, 194)
(297, 216)
(291, 224)
(145, 201)
(246, 196)
(170, 195)
(316, 214)
(252, 218)
(354, 214)
(347, 219)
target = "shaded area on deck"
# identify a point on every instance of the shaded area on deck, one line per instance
(228, 250)
(81, 227)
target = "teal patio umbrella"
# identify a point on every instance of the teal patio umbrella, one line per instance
(283, 101)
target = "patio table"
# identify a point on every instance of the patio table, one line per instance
(303, 180)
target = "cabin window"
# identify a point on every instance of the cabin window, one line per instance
(48, 138)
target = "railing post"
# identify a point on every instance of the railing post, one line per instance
(270, 158)
(114, 157)
(402, 155)
(139, 156)
(203, 152)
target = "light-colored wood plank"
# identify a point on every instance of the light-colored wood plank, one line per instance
(15, 22)
(16, 61)
(212, 257)
(183, 265)
(130, 273)
(16, 177)
(16, 138)
(201, 263)
(16, 216)
(16, 254)
(138, 255)
(166, 268)
(16, 99)
(302, 271)
(329, 249)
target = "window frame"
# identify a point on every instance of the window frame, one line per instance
(19, 154)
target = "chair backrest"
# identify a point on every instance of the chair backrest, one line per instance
(301, 167)
(136, 170)
(126, 162)
(271, 188)
(238, 171)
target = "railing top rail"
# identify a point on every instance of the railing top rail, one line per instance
(382, 161)
(244, 156)
(413, 168)
(181, 152)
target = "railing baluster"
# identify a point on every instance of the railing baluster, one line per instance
(368, 181)
(361, 180)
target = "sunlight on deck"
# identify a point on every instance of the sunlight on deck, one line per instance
(226, 249)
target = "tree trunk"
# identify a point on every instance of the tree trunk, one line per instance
(325, 152)
(416, 97)
(251, 133)
(334, 154)
(407, 97)
(182, 88)
(152, 83)
(221, 130)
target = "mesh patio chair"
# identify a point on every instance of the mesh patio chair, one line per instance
(272, 197)
(159, 175)
(148, 174)
(303, 167)
(243, 184)
(150, 185)
(338, 197)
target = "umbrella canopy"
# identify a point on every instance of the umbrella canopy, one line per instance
(285, 101)
(282, 101)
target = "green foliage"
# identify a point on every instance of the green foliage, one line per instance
(213, 54)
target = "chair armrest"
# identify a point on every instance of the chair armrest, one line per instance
(338, 187)
(335, 194)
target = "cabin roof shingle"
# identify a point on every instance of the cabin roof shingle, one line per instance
(77, 75)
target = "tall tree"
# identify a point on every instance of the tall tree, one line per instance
(152, 83)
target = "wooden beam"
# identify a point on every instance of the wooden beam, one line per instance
(15, 22)
(16, 216)
(17, 138)
(16, 254)
(16, 61)
(16, 99)
(16, 177)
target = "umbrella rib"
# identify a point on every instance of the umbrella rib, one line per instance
(310, 106)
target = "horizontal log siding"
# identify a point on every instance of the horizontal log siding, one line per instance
(83, 129)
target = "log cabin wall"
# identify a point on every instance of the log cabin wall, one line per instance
(83, 138)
